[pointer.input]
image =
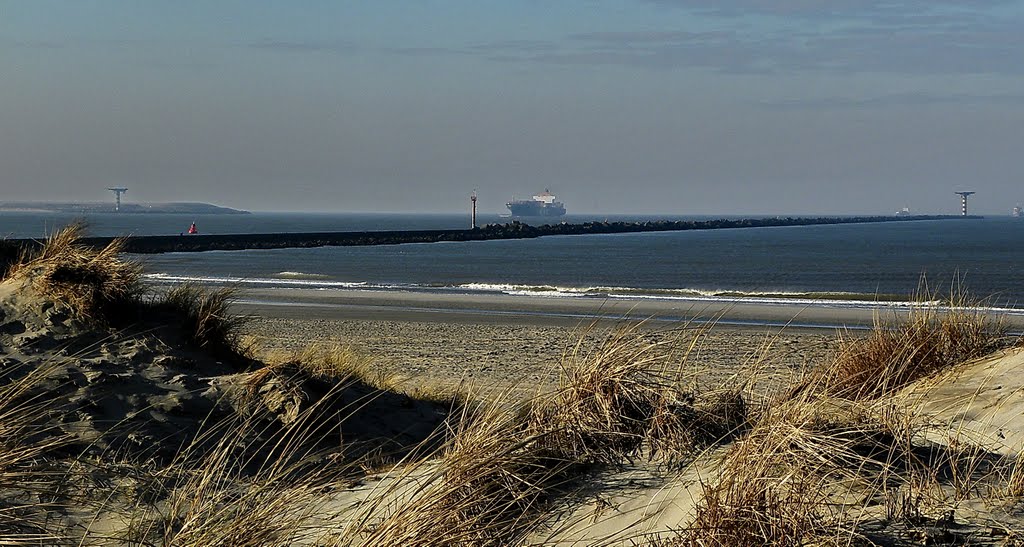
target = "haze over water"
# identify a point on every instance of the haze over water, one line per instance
(619, 106)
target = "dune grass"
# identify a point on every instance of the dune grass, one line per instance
(334, 361)
(817, 454)
(900, 351)
(629, 395)
(337, 362)
(776, 484)
(229, 498)
(102, 287)
(487, 487)
(507, 465)
(609, 402)
(204, 318)
(264, 475)
(29, 474)
(97, 285)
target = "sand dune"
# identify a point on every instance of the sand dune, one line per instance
(123, 420)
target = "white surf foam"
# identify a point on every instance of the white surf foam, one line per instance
(301, 283)
(776, 298)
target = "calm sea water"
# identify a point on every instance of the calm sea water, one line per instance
(835, 265)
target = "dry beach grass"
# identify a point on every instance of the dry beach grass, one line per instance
(127, 419)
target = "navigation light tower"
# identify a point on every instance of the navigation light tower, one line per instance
(472, 198)
(963, 202)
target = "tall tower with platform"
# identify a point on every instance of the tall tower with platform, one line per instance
(117, 197)
(963, 202)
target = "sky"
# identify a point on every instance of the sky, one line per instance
(631, 106)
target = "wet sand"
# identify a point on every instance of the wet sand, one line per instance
(494, 308)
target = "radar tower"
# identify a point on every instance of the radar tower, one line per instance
(963, 202)
(117, 197)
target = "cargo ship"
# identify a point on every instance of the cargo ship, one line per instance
(542, 205)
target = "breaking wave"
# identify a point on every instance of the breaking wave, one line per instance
(300, 280)
(283, 281)
(300, 275)
(833, 299)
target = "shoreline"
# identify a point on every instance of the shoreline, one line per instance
(487, 308)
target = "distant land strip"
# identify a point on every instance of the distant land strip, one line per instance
(89, 208)
(513, 230)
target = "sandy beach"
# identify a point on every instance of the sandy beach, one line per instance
(503, 308)
(495, 341)
(500, 340)
(488, 343)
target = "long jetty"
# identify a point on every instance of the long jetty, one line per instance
(513, 230)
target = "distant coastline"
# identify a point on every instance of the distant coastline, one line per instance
(195, 208)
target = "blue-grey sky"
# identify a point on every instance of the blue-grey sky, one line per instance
(658, 106)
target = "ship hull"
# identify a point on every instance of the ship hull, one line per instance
(535, 209)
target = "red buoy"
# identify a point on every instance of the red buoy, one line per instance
(192, 229)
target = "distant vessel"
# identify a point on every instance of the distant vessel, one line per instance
(542, 205)
(1017, 211)
(904, 212)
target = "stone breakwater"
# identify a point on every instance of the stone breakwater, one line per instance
(513, 230)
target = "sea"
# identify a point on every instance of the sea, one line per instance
(851, 265)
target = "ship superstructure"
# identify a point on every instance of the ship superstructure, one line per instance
(542, 205)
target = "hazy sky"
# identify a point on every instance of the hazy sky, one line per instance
(660, 106)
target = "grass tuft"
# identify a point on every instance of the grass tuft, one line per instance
(817, 454)
(334, 361)
(100, 286)
(626, 396)
(204, 317)
(488, 487)
(96, 285)
(770, 489)
(896, 354)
